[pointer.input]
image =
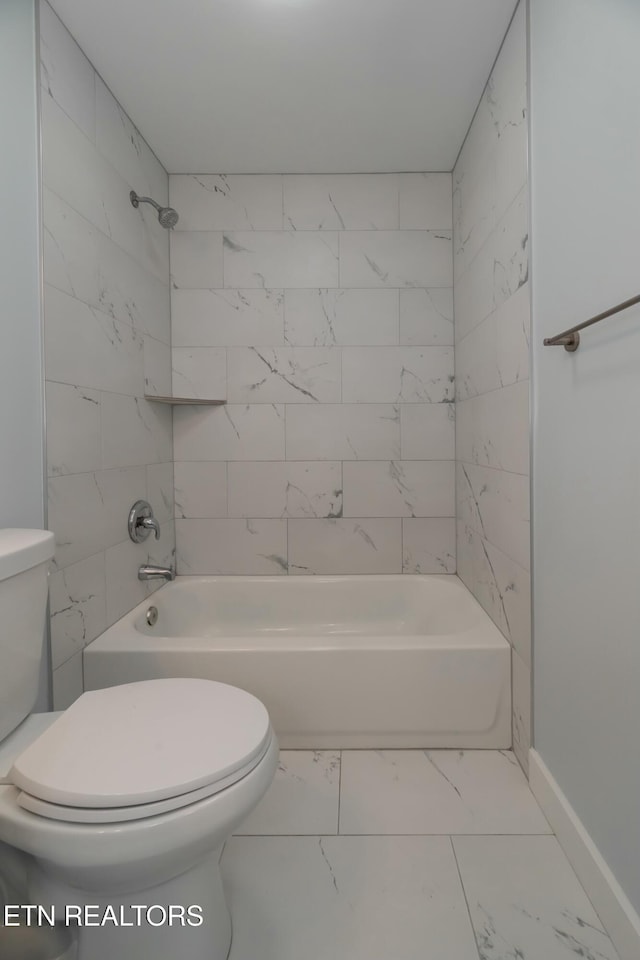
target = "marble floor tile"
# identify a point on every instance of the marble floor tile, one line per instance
(303, 798)
(526, 902)
(436, 792)
(346, 898)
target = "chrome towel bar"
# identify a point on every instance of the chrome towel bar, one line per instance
(570, 339)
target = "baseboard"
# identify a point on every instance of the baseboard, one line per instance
(609, 899)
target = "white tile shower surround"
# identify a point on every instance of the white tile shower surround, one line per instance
(492, 319)
(404, 855)
(321, 308)
(107, 343)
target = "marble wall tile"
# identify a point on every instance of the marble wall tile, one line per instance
(343, 431)
(199, 372)
(227, 318)
(78, 607)
(227, 202)
(284, 374)
(322, 318)
(425, 201)
(281, 259)
(65, 73)
(396, 488)
(492, 429)
(134, 431)
(86, 264)
(426, 317)
(124, 590)
(196, 259)
(76, 516)
(160, 490)
(429, 545)
(397, 374)
(383, 258)
(73, 429)
(200, 489)
(157, 368)
(341, 202)
(232, 432)
(345, 546)
(427, 431)
(67, 682)
(291, 489)
(521, 695)
(235, 547)
(495, 504)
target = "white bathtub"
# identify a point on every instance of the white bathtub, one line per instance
(340, 662)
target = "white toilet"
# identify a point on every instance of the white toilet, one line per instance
(126, 799)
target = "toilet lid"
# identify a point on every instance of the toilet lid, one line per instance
(143, 742)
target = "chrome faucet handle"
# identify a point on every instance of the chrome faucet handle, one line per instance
(142, 522)
(150, 523)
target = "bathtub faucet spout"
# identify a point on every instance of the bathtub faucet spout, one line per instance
(148, 572)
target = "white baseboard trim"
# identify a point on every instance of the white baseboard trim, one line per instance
(609, 899)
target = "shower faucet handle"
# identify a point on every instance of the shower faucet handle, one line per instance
(142, 522)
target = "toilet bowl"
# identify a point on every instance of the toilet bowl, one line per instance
(124, 802)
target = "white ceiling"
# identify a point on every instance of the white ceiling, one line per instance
(295, 86)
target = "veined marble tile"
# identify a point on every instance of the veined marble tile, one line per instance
(397, 488)
(160, 490)
(436, 791)
(499, 584)
(122, 144)
(199, 372)
(118, 489)
(200, 489)
(397, 374)
(157, 368)
(345, 546)
(303, 798)
(281, 259)
(475, 216)
(426, 317)
(134, 431)
(343, 317)
(361, 898)
(513, 325)
(77, 603)
(498, 271)
(124, 590)
(161, 552)
(87, 348)
(521, 696)
(75, 170)
(526, 901)
(235, 547)
(67, 682)
(196, 259)
(511, 154)
(73, 429)
(65, 73)
(343, 431)
(231, 432)
(237, 202)
(77, 517)
(389, 258)
(496, 505)
(284, 374)
(493, 429)
(227, 318)
(429, 545)
(428, 431)
(81, 261)
(292, 489)
(341, 202)
(425, 201)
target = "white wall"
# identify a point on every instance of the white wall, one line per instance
(492, 306)
(107, 343)
(21, 390)
(585, 173)
(321, 308)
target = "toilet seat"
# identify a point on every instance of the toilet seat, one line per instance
(141, 749)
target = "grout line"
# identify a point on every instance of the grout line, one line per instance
(339, 788)
(464, 894)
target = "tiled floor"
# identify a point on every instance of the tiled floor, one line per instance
(404, 855)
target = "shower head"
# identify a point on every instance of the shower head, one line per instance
(167, 216)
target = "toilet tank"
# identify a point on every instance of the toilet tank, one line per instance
(24, 567)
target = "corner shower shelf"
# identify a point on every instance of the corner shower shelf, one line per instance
(184, 401)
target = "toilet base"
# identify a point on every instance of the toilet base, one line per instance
(201, 886)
